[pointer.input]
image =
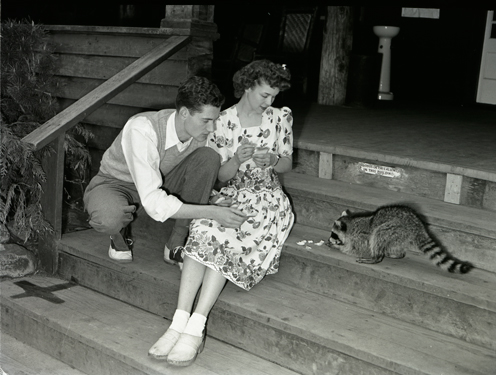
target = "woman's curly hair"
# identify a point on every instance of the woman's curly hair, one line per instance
(258, 72)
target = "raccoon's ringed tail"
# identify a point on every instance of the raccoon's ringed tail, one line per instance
(444, 260)
(462, 267)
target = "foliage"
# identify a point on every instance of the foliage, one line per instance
(27, 68)
(21, 176)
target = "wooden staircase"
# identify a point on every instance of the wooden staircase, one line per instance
(323, 313)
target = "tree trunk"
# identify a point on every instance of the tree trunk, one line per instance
(336, 48)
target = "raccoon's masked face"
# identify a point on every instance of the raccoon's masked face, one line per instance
(338, 232)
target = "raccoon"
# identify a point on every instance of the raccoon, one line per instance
(388, 232)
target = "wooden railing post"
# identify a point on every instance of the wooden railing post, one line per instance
(197, 20)
(53, 131)
(51, 201)
(184, 16)
(336, 49)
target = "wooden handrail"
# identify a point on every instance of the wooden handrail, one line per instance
(70, 116)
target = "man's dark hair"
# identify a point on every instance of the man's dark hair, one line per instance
(197, 92)
(258, 72)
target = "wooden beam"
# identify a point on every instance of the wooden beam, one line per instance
(138, 95)
(325, 165)
(51, 202)
(188, 16)
(452, 193)
(336, 49)
(169, 72)
(69, 117)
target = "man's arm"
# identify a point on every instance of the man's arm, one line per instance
(140, 147)
(227, 216)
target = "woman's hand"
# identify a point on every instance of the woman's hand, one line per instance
(244, 152)
(264, 159)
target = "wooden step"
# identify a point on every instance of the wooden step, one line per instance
(19, 358)
(100, 335)
(423, 150)
(469, 233)
(308, 332)
(424, 180)
(411, 289)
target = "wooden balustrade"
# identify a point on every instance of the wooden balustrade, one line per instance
(53, 133)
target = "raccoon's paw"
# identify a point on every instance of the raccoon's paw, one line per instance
(335, 244)
(370, 260)
(334, 241)
(396, 256)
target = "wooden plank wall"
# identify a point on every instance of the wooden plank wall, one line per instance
(87, 56)
(447, 187)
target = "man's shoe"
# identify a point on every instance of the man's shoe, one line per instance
(121, 256)
(186, 350)
(174, 256)
(162, 348)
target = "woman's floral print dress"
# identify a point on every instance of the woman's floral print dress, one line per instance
(246, 254)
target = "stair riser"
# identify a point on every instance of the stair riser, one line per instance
(466, 191)
(276, 345)
(287, 349)
(435, 312)
(137, 290)
(55, 341)
(320, 213)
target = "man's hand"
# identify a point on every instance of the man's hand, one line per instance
(221, 200)
(230, 217)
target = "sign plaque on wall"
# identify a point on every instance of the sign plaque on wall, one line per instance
(379, 170)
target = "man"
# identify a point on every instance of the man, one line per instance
(158, 163)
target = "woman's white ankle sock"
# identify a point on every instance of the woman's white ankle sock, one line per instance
(195, 325)
(180, 320)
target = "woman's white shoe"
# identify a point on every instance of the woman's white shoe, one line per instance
(162, 348)
(186, 350)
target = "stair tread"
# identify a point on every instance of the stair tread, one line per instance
(366, 335)
(478, 221)
(415, 270)
(125, 332)
(475, 288)
(17, 358)
(283, 305)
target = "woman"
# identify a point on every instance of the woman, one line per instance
(255, 142)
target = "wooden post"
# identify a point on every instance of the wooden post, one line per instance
(51, 202)
(453, 190)
(197, 21)
(185, 16)
(336, 48)
(325, 165)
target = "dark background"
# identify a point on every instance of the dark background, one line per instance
(433, 60)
